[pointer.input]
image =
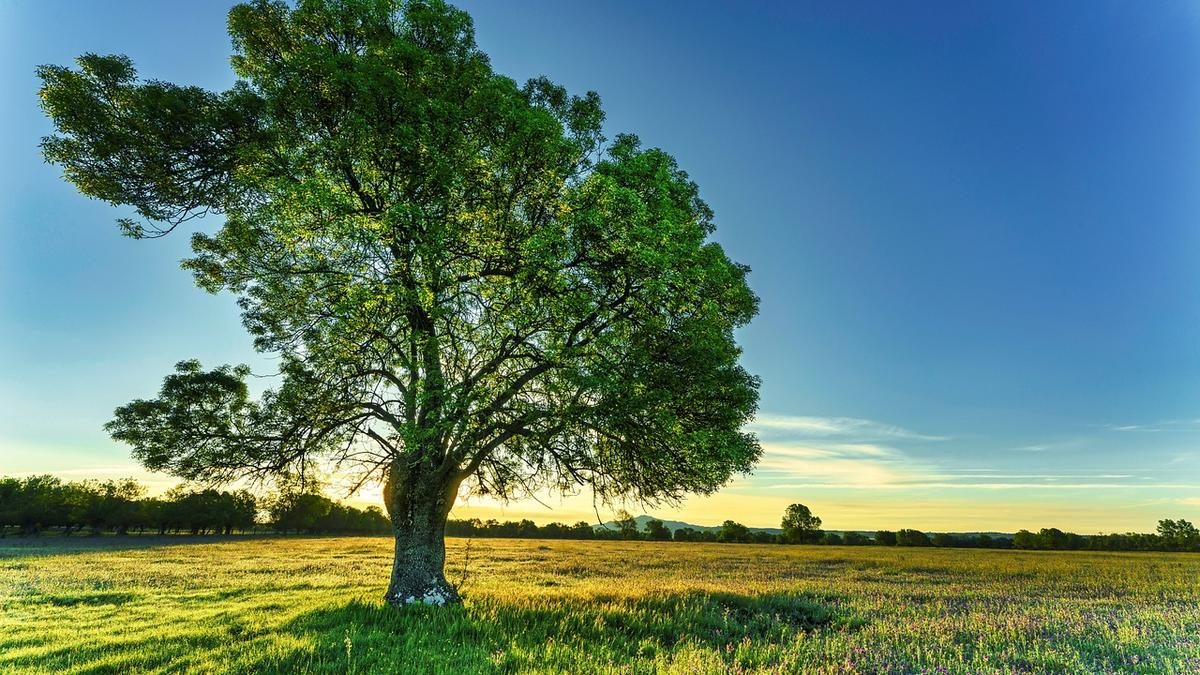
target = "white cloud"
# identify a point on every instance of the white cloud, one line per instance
(1054, 446)
(990, 474)
(847, 464)
(837, 451)
(851, 427)
(969, 485)
(1155, 427)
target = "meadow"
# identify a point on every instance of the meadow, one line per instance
(312, 605)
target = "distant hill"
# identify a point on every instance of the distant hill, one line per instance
(673, 525)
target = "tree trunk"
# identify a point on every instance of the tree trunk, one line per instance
(418, 507)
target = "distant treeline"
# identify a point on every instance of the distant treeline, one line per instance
(1172, 535)
(45, 503)
(729, 532)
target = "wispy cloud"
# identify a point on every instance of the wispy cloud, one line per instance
(806, 452)
(838, 451)
(847, 464)
(1156, 427)
(969, 485)
(1053, 446)
(848, 427)
(991, 474)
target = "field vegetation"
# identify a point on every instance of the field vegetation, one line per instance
(313, 605)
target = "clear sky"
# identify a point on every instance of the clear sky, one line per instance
(974, 227)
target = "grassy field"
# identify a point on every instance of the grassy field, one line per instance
(313, 605)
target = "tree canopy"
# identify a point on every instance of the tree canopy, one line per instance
(800, 526)
(465, 282)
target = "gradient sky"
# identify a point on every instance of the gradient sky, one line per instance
(973, 227)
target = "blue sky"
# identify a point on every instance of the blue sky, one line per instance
(973, 227)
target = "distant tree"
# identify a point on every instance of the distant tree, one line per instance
(464, 282)
(298, 507)
(239, 511)
(657, 531)
(1025, 539)
(627, 527)
(686, 534)
(733, 533)
(855, 539)
(832, 539)
(9, 489)
(1052, 539)
(760, 537)
(800, 526)
(38, 502)
(912, 538)
(885, 538)
(470, 527)
(943, 540)
(1179, 535)
(583, 530)
(101, 505)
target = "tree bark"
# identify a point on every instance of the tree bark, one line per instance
(418, 507)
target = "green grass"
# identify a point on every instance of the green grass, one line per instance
(313, 606)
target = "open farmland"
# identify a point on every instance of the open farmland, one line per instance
(314, 605)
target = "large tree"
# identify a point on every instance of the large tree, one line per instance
(468, 286)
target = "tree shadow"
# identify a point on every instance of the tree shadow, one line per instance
(497, 636)
(492, 633)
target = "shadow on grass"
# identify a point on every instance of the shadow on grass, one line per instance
(75, 599)
(546, 634)
(491, 634)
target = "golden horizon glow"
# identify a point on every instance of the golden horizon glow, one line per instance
(843, 469)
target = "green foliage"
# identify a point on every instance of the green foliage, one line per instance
(1048, 538)
(627, 527)
(1172, 535)
(464, 281)
(519, 529)
(885, 538)
(943, 540)
(41, 503)
(800, 526)
(1025, 539)
(1179, 535)
(657, 531)
(733, 533)
(912, 538)
(692, 534)
(311, 512)
(855, 539)
(204, 511)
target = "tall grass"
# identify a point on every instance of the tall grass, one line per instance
(313, 606)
